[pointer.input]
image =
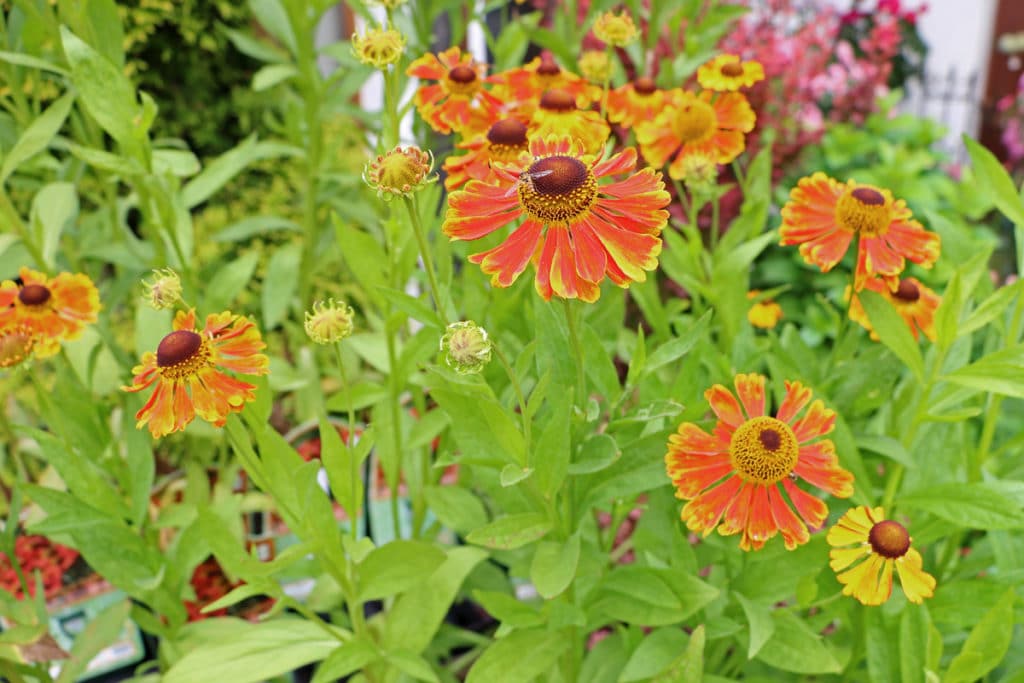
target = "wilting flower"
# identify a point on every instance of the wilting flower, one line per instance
(595, 66)
(696, 124)
(400, 172)
(633, 102)
(915, 302)
(558, 115)
(466, 347)
(824, 215)
(378, 47)
(618, 30)
(164, 290)
(576, 231)
(764, 313)
(504, 141)
(188, 370)
(882, 544)
(726, 73)
(520, 88)
(52, 310)
(16, 344)
(732, 475)
(458, 100)
(329, 322)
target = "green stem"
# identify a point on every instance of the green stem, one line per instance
(353, 471)
(10, 213)
(715, 228)
(520, 397)
(607, 80)
(315, 618)
(428, 263)
(577, 350)
(393, 388)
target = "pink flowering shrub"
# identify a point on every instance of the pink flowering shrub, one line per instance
(1011, 118)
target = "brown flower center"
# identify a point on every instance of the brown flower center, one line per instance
(548, 67)
(182, 353)
(732, 69)
(864, 210)
(34, 295)
(763, 450)
(889, 539)
(644, 85)
(907, 291)
(557, 189)
(462, 74)
(696, 121)
(510, 132)
(557, 99)
(462, 80)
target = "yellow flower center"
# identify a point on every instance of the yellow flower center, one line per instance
(557, 189)
(732, 69)
(696, 121)
(399, 171)
(644, 86)
(462, 81)
(889, 539)
(763, 450)
(558, 100)
(506, 138)
(34, 295)
(865, 210)
(907, 292)
(181, 354)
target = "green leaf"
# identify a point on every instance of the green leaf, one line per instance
(655, 653)
(1000, 372)
(947, 317)
(225, 167)
(649, 597)
(273, 18)
(519, 657)
(177, 162)
(255, 653)
(552, 450)
(508, 609)
(346, 659)
(235, 596)
(554, 566)
(797, 648)
(21, 59)
(416, 308)
(106, 93)
(482, 427)
(986, 645)
(99, 633)
(598, 452)
(893, 331)
(689, 666)
(412, 664)
(513, 474)
(970, 506)
(759, 618)
(105, 161)
(396, 567)
(37, 136)
(993, 180)
(54, 208)
(337, 461)
(229, 281)
(511, 531)
(994, 306)
(914, 624)
(242, 230)
(257, 49)
(280, 284)
(415, 617)
(273, 74)
(456, 507)
(674, 349)
(887, 446)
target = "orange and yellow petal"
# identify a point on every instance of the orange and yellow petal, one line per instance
(808, 219)
(727, 73)
(917, 583)
(53, 310)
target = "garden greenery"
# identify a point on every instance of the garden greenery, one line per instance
(685, 367)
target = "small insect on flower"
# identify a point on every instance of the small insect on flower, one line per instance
(526, 179)
(882, 544)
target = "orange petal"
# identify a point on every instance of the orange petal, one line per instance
(505, 262)
(725, 405)
(750, 389)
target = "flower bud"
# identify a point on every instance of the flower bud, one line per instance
(618, 30)
(378, 47)
(164, 291)
(595, 66)
(329, 321)
(466, 347)
(400, 172)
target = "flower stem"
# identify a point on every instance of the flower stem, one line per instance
(428, 264)
(577, 350)
(607, 80)
(520, 397)
(353, 466)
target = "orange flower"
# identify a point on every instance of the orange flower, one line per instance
(726, 73)
(521, 88)
(882, 544)
(733, 474)
(576, 231)
(823, 216)
(187, 369)
(911, 299)
(558, 115)
(504, 141)
(458, 100)
(696, 125)
(50, 309)
(633, 102)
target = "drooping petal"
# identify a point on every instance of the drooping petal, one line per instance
(794, 531)
(917, 583)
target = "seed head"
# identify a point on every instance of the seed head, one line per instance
(378, 47)
(164, 290)
(466, 347)
(400, 172)
(329, 321)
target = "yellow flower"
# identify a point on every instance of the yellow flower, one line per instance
(726, 73)
(765, 313)
(618, 30)
(882, 544)
(595, 66)
(378, 47)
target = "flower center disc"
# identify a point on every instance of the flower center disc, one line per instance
(557, 100)
(462, 80)
(509, 132)
(34, 295)
(732, 69)
(644, 85)
(557, 189)
(548, 67)
(864, 210)
(889, 539)
(763, 450)
(695, 122)
(907, 291)
(180, 353)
